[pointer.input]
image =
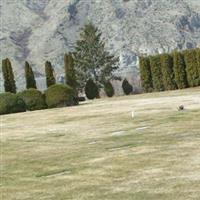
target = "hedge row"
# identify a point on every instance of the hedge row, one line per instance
(177, 70)
(31, 99)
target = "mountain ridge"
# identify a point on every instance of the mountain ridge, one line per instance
(44, 30)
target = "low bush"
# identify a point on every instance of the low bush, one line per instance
(127, 87)
(59, 95)
(91, 90)
(109, 90)
(33, 99)
(11, 103)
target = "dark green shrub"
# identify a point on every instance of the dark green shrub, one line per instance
(145, 74)
(11, 103)
(59, 95)
(198, 59)
(127, 87)
(91, 90)
(109, 90)
(33, 99)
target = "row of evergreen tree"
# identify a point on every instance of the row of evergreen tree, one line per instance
(9, 80)
(170, 71)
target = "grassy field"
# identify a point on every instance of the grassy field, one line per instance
(96, 151)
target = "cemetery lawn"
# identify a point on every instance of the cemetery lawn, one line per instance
(96, 151)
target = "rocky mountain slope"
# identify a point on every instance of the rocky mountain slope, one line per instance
(40, 30)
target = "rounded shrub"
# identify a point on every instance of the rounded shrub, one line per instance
(59, 95)
(91, 90)
(11, 103)
(33, 99)
(127, 87)
(109, 90)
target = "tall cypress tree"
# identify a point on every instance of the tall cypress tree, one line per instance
(50, 79)
(156, 73)
(9, 81)
(145, 74)
(30, 79)
(70, 75)
(167, 72)
(190, 58)
(179, 70)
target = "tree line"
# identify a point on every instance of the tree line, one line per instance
(170, 71)
(88, 68)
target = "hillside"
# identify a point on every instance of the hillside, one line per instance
(97, 151)
(44, 30)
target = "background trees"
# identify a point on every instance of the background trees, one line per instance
(190, 57)
(145, 74)
(50, 79)
(167, 71)
(92, 61)
(30, 79)
(9, 81)
(156, 72)
(179, 70)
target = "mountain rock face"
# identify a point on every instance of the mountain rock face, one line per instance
(40, 30)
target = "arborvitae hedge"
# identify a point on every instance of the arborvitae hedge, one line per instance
(179, 70)
(127, 87)
(190, 57)
(30, 79)
(198, 59)
(109, 90)
(9, 81)
(145, 74)
(167, 71)
(50, 79)
(156, 73)
(91, 89)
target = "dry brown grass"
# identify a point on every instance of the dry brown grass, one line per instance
(97, 151)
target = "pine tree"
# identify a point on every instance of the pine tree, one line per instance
(190, 58)
(30, 79)
(156, 73)
(145, 74)
(9, 81)
(92, 61)
(109, 90)
(70, 74)
(167, 72)
(179, 70)
(50, 79)
(127, 87)
(91, 89)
